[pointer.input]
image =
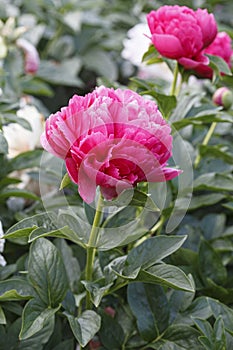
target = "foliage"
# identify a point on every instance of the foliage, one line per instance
(163, 268)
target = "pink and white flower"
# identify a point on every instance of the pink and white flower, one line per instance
(110, 138)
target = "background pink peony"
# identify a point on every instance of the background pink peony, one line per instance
(181, 33)
(111, 138)
(221, 47)
(32, 59)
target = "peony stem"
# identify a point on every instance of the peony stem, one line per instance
(205, 142)
(156, 229)
(176, 71)
(91, 250)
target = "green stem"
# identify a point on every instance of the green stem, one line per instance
(91, 250)
(205, 142)
(176, 71)
(157, 227)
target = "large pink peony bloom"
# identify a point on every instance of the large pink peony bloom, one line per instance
(181, 33)
(221, 47)
(112, 139)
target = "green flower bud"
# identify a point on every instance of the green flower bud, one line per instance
(223, 97)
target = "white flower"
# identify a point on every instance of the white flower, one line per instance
(135, 46)
(2, 242)
(20, 139)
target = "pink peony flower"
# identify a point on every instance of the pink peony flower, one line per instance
(221, 47)
(181, 33)
(32, 59)
(112, 139)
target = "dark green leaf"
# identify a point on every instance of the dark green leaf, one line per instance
(15, 289)
(85, 326)
(97, 290)
(151, 251)
(166, 275)
(133, 197)
(111, 333)
(35, 317)
(70, 262)
(22, 229)
(47, 273)
(150, 307)
(183, 336)
(129, 225)
(210, 264)
(223, 310)
(198, 309)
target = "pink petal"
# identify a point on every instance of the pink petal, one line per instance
(168, 45)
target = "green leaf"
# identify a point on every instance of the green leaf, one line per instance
(26, 160)
(3, 144)
(36, 87)
(17, 192)
(204, 327)
(219, 64)
(97, 290)
(210, 264)
(8, 181)
(223, 310)
(205, 200)
(35, 317)
(47, 273)
(101, 62)
(219, 331)
(166, 103)
(36, 342)
(85, 326)
(166, 275)
(2, 316)
(208, 117)
(151, 251)
(13, 118)
(150, 307)
(183, 336)
(198, 309)
(128, 224)
(15, 289)
(78, 225)
(65, 181)
(71, 264)
(111, 333)
(22, 229)
(214, 182)
(184, 105)
(217, 151)
(64, 73)
(135, 198)
(151, 56)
